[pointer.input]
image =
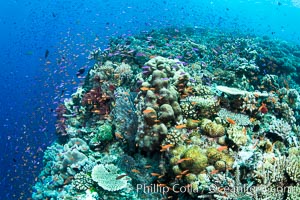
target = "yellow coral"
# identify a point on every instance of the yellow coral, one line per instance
(220, 160)
(212, 129)
(190, 178)
(220, 165)
(237, 135)
(229, 160)
(196, 160)
(178, 150)
(192, 124)
(213, 155)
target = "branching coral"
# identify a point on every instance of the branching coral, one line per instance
(240, 119)
(237, 134)
(200, 106)
(281, 128)
(82, 181)
(293, 168)
(123, 73)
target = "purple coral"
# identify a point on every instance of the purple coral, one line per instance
(61, 120)
(98, 101)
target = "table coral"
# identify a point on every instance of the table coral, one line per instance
(107, 177)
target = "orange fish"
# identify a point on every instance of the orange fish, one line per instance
(161, 176)
(256, 95)
(231, 121)
(155, 174)
(179, 176)
(183, 96)
(118, 135)
(252, 119)
(148, 111)
(180, 126)
(182, 160)
(166, 147)
(214, 171)
(222, 148)
(136, 171)
(244, 130)
(147, 166)
(255, 144)
(96, 111)
(188, 141)
(144, 88)
(184, 172)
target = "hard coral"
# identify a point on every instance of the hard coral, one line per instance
(195, 161)
(212, 129)
(107, 177)
(82, 181)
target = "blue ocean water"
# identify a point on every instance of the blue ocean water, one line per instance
(44, 43)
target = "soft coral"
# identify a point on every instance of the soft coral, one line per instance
(97, 101)
(61, 120)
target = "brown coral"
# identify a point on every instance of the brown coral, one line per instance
(212, 129)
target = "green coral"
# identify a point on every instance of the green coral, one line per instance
(102, 134)
(196, 161)
(105, 132)
(237, 135)
(192, 124)
(213, 155)
(212, 129)
(220, 160)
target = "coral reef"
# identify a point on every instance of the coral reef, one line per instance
(180, 114)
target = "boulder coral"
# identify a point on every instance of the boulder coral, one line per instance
(193, 159)
(212, 129)
(157, 103)
(220, 160)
